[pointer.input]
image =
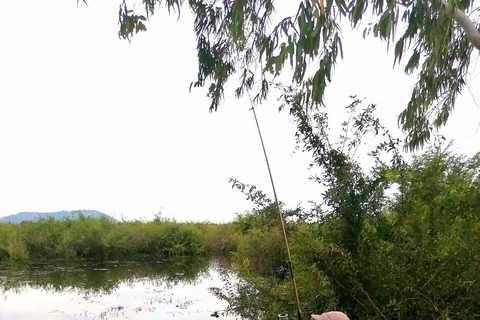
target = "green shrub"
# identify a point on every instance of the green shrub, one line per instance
(12, 246)
(219, 238)
(265, 251)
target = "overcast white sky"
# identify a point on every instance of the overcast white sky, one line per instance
(88, 121)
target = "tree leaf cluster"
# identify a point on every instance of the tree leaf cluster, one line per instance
(243, 38)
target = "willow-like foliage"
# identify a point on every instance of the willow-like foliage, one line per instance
(240, 37)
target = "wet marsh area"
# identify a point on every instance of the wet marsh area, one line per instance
(176, 288)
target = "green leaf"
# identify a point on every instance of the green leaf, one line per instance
(398, 51)
(317, 29)
(412, 63)
(140, 27)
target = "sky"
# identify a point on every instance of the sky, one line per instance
(89, 121)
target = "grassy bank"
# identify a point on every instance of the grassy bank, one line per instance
(102, 238)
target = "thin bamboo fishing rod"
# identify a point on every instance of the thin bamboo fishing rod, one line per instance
(280, 215)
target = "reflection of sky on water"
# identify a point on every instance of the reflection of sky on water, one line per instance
(139, 298)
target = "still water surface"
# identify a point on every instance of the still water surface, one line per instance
(142, 289)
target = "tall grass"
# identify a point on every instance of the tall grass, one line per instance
(86, 237)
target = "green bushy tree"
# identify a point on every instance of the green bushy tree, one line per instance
(413, 254)
(416, 256)
(436, 232)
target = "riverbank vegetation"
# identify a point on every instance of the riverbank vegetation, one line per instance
(400, 241)
(412, 254)
(103, 238)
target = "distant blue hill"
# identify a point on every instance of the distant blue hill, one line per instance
(35, 216)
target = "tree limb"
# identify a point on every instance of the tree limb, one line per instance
(462, 19)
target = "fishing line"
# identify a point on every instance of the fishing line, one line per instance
(280, 215)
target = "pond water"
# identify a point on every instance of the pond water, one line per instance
(141, 289)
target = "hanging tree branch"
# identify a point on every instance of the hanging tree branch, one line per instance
(238, 38)
(467, 25)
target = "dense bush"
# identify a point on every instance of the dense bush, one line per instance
(220, 239)
(371, 254)
(12, 246)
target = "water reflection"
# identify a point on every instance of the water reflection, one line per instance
(141, 289)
